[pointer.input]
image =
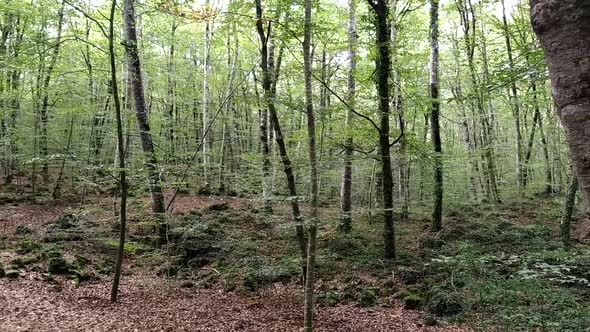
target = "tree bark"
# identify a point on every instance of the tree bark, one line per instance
(563, 27)
(346, 184)
(45, 100)
(515, 103)
(434, 119)
(274, 119)
(141, 112)
(568, 210)
(383, 67)
(313, 172)
(121, 158)
(206, 100)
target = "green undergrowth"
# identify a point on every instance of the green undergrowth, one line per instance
(492, 267)
(507, 269)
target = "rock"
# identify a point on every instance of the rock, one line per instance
(443, 304)
(223, 206)
(67, 221)
(12, 274)
(368, 297)
(408, 275)
(430, 321)
(58, 265)
(18, 263)
(22, 229)
(412, 301)
(2, 272)
(187, 284)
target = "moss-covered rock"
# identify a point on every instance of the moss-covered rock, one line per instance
(445, 304)
(58, 265)
(412, 301)
(11, 274)
(22, 230)
(368, 297)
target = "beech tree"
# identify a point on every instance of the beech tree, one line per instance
(141, 112)
(434, 118)
(564, 31)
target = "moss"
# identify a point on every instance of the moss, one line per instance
(368, 297)
(412, 301)
(28, 245)
(346, 246)
(445, 304)
(22, 230)
(58, 265)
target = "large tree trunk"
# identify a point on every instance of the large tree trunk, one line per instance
(434, 119)
(563, 27)
(383, 67)
(141, 112)
(346, 186)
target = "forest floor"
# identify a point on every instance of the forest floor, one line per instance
(231, 267)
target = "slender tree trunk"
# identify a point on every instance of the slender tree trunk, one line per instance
(120, 154)
(563, 27)
(170, 100)
(45, 99)
(434, 119)
(14, 102)
(269, 98)
(515, 103)
(568, 209)
(346, 185)
(141, 112)
(383, 68)
(57, 187)
(206, 100)
(529, 147)
(311, 137)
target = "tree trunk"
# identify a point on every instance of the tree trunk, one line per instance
(434, 119)
(313, 172)
(568, 209)
(45, 100)
(563, 27)
(206, 100)
(120, 154)
(141, 112)
(515, 103)
(383, 68)
(346, 185)
(269, 98)
(170, 95)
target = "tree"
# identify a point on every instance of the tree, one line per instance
(313, 171)
(269, 97)
(141, 112)
(515, 103)
(568, 209)
(346, 184)
(120, 156)
(434, 119)
(563, 28)
(44, 108)
(382, 65)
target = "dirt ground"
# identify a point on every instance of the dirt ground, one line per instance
(148, 304)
